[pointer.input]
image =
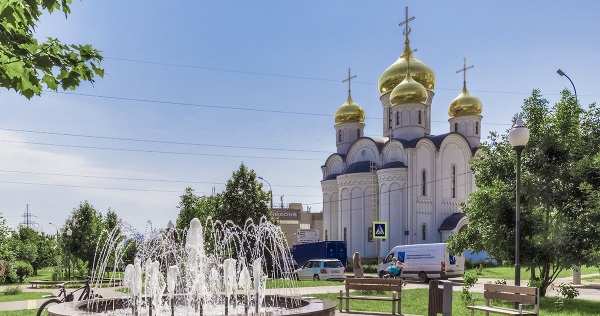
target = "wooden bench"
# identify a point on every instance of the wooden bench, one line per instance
(373, 284)
(34, 284)
(517, 294)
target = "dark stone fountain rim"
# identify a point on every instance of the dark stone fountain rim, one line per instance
(310, 306)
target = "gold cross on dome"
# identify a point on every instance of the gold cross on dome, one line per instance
(349, 79)
(405, 23)
(464, 69)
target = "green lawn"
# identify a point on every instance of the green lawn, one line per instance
(508, 273)
(24, 312)
(281, 283)
(415, 302)
(24, 296)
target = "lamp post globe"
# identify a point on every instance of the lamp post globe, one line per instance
(518, 137)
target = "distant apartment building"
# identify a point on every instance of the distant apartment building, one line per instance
(292, 219)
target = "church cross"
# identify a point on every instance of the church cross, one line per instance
(349, 79)
(464, 69)
(405, 23)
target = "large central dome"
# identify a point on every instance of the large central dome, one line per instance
(395, 73)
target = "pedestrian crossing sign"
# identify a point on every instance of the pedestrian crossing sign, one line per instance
(380, 230)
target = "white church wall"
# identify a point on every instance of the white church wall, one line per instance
(345, 222)
(394, 151)
(363, 150)
(357, 220)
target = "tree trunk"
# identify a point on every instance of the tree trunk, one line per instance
(532, 268)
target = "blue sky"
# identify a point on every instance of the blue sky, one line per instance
(260, 74)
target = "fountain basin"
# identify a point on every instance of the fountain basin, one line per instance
(119, 306)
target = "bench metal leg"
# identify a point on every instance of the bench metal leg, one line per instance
(394, 303)
(340, 307)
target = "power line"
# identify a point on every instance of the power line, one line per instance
(160, 141)
(159, 151)
(113, 188)
(224, 107)
(299, 77)
(137, 179)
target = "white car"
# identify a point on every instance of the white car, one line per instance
(321, 269)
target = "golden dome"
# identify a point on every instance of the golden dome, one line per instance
(465, 104)
(349, 112)
(395, 73)
(408, 91)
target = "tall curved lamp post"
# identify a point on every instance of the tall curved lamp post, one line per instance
(560, 72)
(576, 269)
(69, 234)
(518, 138)
(270, 190)
(55, 236)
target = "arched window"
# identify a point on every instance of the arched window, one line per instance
(476, 128)
(424, 184)
(326, 235)
(339, 135)
(424, 231)
(456, 127)
(419, 117)
(390, 118)
(358, 133)
(345, 234)
(453, 176)
(397, 117)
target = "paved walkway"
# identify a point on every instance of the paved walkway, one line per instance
(587, 291)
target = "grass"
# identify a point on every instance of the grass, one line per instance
(415, 302)
(594, 279)
(281, 283)
(24, 296)
(23, 312)
(508, 273)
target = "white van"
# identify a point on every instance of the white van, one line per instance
(425, 261)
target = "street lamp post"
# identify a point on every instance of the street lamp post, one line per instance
(69, 234)
(270, 190)
(518, 138)
(560, 72)
(576, 269)
(55, 236)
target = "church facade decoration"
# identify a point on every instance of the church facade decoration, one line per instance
(408, 178)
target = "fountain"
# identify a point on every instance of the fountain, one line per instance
(218, 271)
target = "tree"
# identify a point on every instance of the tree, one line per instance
(560, 209)
(192, 206)
(86, 225)
(244, 199)
(26, 63)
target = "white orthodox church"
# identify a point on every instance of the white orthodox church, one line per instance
(408, 178)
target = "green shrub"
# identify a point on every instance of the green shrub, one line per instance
(535, 282)
(58, 273)
(80, 268)
(23, 270)
(13, 290)
(469, 279)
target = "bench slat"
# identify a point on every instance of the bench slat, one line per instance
(509, 288)
(517, 298)
(372, 298)
(500, 310)
(373, 287)
(373, 281)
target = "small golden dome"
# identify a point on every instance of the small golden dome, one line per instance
(349, 112)
(465, 104)
(395, 73)
(408, 91)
